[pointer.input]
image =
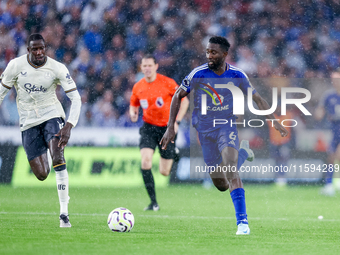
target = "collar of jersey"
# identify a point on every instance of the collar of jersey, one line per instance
(33, 65)
(226, 70)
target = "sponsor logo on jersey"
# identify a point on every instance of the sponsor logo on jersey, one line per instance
(23, 74)
(33, 88)
(217, 102)
(214, 95)
(159, 102)
(218, 108)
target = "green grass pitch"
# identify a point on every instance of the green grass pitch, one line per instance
(192, 220)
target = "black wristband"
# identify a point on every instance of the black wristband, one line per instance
(178, 122)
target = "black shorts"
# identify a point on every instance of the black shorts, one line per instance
(35, 139)
(151, 135)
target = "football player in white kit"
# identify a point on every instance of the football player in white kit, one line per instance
(35, 78)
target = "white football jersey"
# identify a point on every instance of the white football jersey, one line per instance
(36, 86)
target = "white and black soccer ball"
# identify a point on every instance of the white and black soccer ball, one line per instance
(121, 220)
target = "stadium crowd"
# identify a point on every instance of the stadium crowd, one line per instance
(102, 42)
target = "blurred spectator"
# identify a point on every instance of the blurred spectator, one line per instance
(96, 92)
(70, 45)
(121, 101)
(135, 38)
(247, 61)
(93, 40)
(81, 65)
(121, 65)
(19, 35)
(135, 11)
(103, 113)
(152, 38)
(72, 20)
(91, 15)
(112, 27)
(164, 57)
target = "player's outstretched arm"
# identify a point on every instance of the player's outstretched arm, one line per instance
(263, 105)
(170, 133)
(133, 113)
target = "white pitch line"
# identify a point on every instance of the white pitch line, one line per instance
(168, 216)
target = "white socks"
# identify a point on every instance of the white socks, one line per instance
(62, 186)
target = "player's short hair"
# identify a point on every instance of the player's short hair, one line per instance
(223, 42)
(147, 56)
(34, 37)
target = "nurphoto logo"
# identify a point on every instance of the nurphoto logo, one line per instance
(238, 104)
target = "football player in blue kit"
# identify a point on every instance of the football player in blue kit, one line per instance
(220, 144)
(329, 106)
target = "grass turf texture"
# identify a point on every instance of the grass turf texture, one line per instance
(192, 220)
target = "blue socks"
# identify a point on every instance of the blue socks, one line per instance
(239, 201)
(329, 176)
(242, 156)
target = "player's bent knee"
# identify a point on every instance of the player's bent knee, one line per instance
(221, 185)
(41, 176)
(146, 163)
(222, 188)
(164, 172)
(40, 167)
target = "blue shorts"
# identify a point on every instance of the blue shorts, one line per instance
(35, 139)
(215, 141)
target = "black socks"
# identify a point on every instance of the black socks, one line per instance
(149, 184)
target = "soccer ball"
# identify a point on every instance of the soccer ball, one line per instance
(121, 220)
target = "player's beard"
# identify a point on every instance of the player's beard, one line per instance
(39, 62)
(215, 64)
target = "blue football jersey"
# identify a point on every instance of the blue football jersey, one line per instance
(210, 90)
